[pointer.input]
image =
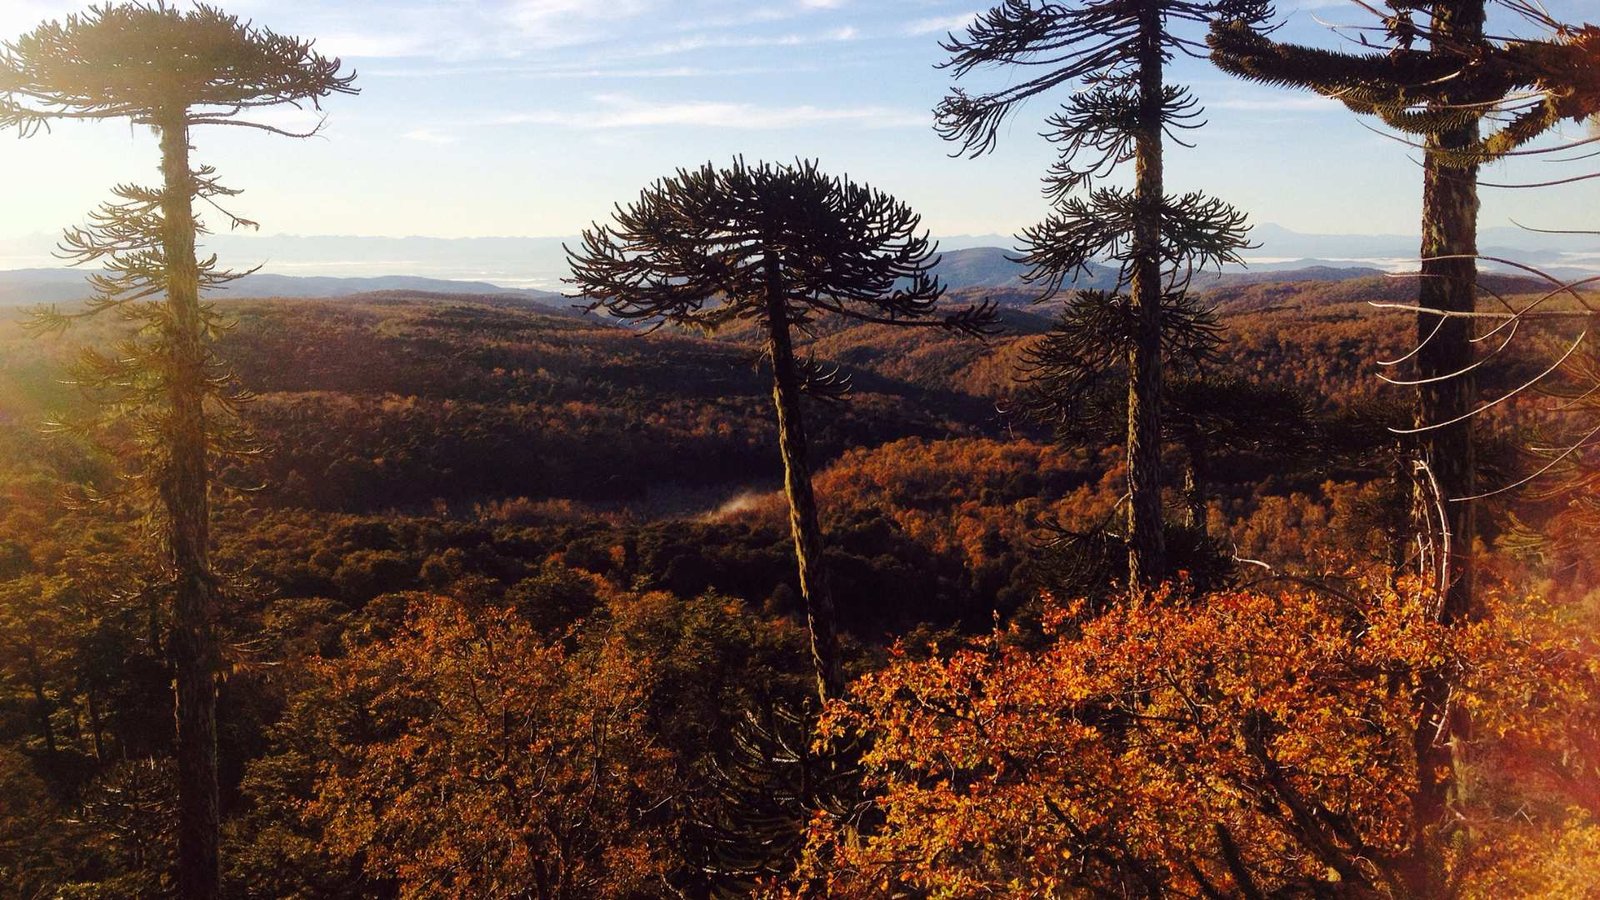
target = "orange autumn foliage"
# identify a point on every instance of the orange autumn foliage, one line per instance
(1247, 744)
(483, 760)
(969, 495)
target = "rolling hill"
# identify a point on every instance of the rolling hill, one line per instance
(22, 287)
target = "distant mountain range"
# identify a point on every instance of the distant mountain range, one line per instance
(1560, 252)
(507, 263)
(332, 266)
(979, 269)
(990, 268)
(31, 286)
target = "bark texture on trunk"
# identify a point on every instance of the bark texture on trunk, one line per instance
(95, 729)
(1449, 229)
(804, 526)
(183, 487)
(1195, 477)
(43, 709)
(1146, 543)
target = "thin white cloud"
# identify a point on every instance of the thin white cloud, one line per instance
(562, 22)
(373, 46)
(699, 42)
(490, 29)
(577, 71)
(941, 24)
(614, 112)
(755, 14)
(498, 30)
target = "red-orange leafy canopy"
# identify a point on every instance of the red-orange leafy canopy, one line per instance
(484, 761)
(1253, 744)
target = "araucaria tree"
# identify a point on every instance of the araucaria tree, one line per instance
(156, 66)
(1441, 79)
(781, 245)
(1113, 54)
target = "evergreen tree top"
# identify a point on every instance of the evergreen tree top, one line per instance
(1093, 43)
(137, 60)
(1419, 81)
(706, 245)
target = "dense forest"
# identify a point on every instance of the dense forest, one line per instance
(765, 565)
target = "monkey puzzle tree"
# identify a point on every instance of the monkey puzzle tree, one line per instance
(1115, 53)
(169, 70)
(780, 245)
(1441, 79)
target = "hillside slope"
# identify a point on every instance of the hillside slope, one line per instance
(410, 401)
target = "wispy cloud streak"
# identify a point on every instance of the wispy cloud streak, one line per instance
(940, 24)
(616, 112)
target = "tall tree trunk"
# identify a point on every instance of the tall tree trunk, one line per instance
(42, 706)
(1146, 544)
(803, 524)
(1195, 476)
(182, 482)
(94, 726)
(1449, 229)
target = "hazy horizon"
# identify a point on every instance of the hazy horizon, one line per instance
(538, 262)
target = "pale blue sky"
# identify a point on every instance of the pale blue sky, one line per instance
(531, 117)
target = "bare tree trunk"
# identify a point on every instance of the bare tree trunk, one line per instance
(803, 524)
(1195, 476)
(182, 479)
(94, 726)
(42, 706)
(1449, 229)
(1146, 544)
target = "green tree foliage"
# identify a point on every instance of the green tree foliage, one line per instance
(779, 245)
(171, 71)
(1115, 54)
